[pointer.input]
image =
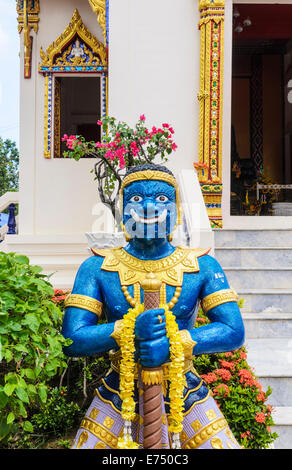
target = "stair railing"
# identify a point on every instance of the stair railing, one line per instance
(9, 201)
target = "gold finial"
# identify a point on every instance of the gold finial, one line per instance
(151, 283)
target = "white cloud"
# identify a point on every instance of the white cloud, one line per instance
(0, 93)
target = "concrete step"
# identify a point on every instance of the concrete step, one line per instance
(267, 325)
(270, 357)
(271, 361)
(253, 238)
(282, 416)
(254, 257)
(259, 278)
(266, 300)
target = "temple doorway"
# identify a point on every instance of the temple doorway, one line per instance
(261, 132)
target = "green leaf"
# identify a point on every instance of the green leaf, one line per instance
(43, 393)
(21, 259)
(28, 427)
(21, 348)
(22, 410)
(22, 395)
(8, 355)
(32, 321)
(29, 373)
(10, 418)
(9, 389)
(3, 400)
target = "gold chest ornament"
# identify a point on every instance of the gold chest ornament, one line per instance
(169, 270)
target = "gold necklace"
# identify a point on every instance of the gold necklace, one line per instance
(136, 300)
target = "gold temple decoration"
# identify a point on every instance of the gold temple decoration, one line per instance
(188, 343)
(57, 56)
(206, 433)
(169, 270)
(47, 116)
(152, 377)
(99, 7)
(217, 443)
(210, 98)
(100, 432)
(82, 439)
(116, 334)
(85, 302)
(57, 118)
(28, 19)
(196, 425)
(218, 298)
(33, 10)
(76, 50)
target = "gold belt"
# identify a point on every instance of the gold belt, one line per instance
(115, 357)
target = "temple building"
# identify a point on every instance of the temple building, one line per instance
(220, 72)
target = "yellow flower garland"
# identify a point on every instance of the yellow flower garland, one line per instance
(127, 373)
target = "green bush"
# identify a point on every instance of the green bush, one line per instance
(57, 416)
(30, 341)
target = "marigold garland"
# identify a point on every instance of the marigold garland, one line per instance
(127, 374)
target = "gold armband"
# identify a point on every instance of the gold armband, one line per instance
(85, 302)
(188, 343)
(116, 334)
(218, 298)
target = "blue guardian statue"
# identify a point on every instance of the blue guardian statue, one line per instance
(152, 340)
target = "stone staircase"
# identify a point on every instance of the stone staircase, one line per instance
(258, 265)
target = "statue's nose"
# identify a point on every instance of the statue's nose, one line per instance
(150, 209)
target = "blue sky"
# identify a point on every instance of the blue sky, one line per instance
(9, 71)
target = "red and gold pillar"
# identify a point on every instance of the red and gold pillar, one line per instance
(209, 166)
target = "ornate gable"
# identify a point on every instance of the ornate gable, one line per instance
(75, 50)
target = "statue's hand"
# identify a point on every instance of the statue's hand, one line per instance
(155, 352)
(150, 325)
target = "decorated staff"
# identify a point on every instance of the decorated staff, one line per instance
(152, 377)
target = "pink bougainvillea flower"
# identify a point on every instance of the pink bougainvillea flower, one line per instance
(64, 138)
(99, 123)
(142, 117)
(174, 147)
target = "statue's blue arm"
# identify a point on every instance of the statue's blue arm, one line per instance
(81, 325)
(226, 330)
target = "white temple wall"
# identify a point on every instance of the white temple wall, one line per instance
(153, 70)
(57, 195)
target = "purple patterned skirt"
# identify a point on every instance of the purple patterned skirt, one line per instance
(204, 426)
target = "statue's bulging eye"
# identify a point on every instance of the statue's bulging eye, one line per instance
(162, 198)
(136, 199)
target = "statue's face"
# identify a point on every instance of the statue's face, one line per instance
(149, 209)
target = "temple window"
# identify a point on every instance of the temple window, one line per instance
(77, 107)
(75, 74)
